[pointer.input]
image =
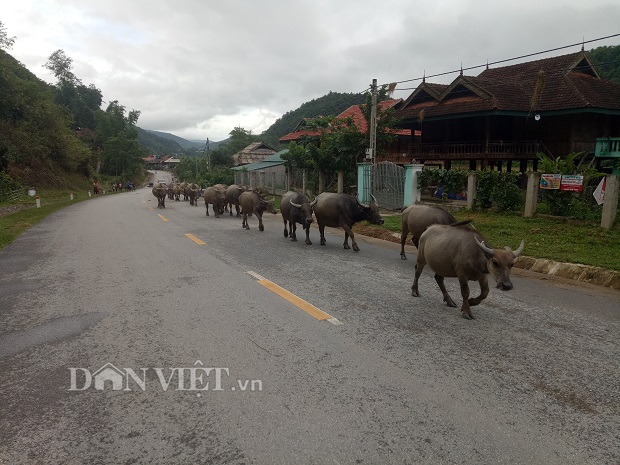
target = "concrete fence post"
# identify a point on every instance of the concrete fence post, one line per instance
(340, 182)
(531, 194)
(252, 179)
(610, 202)
(412, 192)
(321, 182)
(273, 183)
(472, 186)
(261, 179)
(363, 182)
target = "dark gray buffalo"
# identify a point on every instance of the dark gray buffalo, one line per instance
(343, 211)
(415, 220)
(253, 202)
(452, 252)
(215, 196)
(159, 191)
(295, 208)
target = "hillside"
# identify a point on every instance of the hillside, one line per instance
(156, 144)
(332, 103)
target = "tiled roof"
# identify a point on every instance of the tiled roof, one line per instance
(567, 82)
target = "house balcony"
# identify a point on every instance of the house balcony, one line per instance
(493, 150)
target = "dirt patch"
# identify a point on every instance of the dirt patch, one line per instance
(377, 232)
(10, 209)
(566, 397)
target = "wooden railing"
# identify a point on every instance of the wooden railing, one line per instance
(470, 150)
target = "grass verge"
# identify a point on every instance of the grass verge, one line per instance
(559, 239)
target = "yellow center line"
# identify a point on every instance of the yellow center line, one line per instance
(195, 239)
(292, 298)
(163, 217)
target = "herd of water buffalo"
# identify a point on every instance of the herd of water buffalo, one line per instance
(450, 248)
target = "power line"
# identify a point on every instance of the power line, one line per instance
(508, 59)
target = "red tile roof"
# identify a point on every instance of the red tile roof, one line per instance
(354, 112)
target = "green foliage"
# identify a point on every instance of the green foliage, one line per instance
(562, 203)
(7, 186)
(485, 189)
(507, 194)
(298, 155)
(452, 181)
(606, 61)
(498, 189)
(118, 137)
(6, 42)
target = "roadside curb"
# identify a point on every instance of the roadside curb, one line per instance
(575, 271)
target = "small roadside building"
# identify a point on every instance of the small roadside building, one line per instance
(269, 172)
(255, 152)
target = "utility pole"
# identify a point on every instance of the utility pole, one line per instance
(373, 123)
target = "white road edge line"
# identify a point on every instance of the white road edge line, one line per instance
(256, 275)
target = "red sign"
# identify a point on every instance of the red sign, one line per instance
(571, 183)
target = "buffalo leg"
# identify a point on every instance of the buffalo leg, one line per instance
(245, 224)
(260, 221)
(419, 266)
(285, 227)
(446, 297)
(403, 239)
(308, 241)
(465, 310)
(207, 205)
(484, 291)
(322, 233)
(349, 232)
(293, 227)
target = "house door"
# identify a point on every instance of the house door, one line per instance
(388, 185)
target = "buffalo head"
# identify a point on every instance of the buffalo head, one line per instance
(499, 262)
(306, 211)
(370, 212)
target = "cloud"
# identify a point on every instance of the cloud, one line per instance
(198, 69)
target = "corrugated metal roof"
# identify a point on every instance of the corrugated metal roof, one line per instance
(268, 162)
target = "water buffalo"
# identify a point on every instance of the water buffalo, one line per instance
(192, 191)
(182, 186)
(232, 197)
(160, 190)
(343, 211)
(416, 218)
(253, 202)
(176, 192)
(216, 197)
(453, 252)
(295, 208)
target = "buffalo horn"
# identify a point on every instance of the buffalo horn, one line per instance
(296, 205)
(363, 205)
(374, 200)
(313, 203)
(520, 249)
(487, 250)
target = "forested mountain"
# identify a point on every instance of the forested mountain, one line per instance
(183, 143)
(156, 144)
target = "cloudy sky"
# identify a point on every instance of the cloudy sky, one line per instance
(199, 68)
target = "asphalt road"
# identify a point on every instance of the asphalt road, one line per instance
(216, 366)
